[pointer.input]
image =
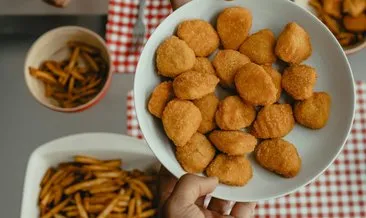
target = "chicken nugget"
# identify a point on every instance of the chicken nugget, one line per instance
(273, 121)
(181, 120)
(255, 86)
(298, 81)
(293, 45)
(174, 57)
(204, 65)
(200, 36)
(279, 156)
(233, 25)
(195, 156)
(230, 170)
(233, 114)
(259, 47)
(227, 63)
(314, 111)
(233, 142)
(161, 95)
(192, 85)
(208, 106)
(355, 24)
(276, 79)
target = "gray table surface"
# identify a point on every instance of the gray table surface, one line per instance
(25, 124)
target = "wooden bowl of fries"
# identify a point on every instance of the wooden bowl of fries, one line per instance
(91, 175)
(68, 69)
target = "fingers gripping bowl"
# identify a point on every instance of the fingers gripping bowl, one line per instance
(317, 149)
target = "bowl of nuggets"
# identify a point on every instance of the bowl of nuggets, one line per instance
(256, 93)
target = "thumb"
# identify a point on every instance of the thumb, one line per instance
(190, 187)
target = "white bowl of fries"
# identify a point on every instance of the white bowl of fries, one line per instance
(90, 175)
(68, 69)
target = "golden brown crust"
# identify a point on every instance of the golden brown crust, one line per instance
(293, 45)
(181, 120)
(259, 47)
(279, 156)
(233, 142)
(298, 81)
(192, 85)
(161, 95)
(273, 121)
(208, 107)
(174, 57)
(233, 114)
(355, 24)
(200, 36)
(314, 111)
(276, 79)
(233, 26)
(231, 170)
(227, 63)
(204, 65)
(195, 156)
(255, 86)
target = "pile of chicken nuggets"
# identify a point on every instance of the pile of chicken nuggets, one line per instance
(214, 136)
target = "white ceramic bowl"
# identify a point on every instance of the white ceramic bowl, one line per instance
(52, 45)
(135, 154)
(318, 149)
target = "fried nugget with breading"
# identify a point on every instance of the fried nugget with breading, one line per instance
(174, 57)
(276, 79)
(298, 81)
(255, 86)
(314, 111)
(227, 63)
(181, 120)
(230, 170)
(192, 85)
(195, 156)
(204, 65)
(233, 114)
(293, 45)
(161, 95)
(233, 25)
(259, 47)
(233, 142)
(200, 36)
(208, 107)
(279, 156)
(273, 121)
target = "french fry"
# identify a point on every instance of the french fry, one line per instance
(109, 208)
(119, 209)
(47, 186)
(143, 187)
(73, 59)
(59, 216)
(80, 206)
(55, 69)
(57, 194)
(44, 202)
(148, 213)
(84, 185)
(84, 47)
(93, 65)
(73, 213)
(95, 208)
(88, 175)
(136, 189)
(70, 208)
(60, 96)
(117, 215)
(86, 159)
(56, 209)
(63, 174)
(71, 85)
(138, 205)
(125, 197)
(109, 174)
(68, 180)
(47, 176)
(113, 163)
(44, 76)
(104, 189)
(48, 90)
(75, 74)
(146, 205)
(98, 167)
(131, 208)
(122, 203)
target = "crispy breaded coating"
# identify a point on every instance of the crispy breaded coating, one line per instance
(208, 107)
(233, 142)
(314, 111)
(255, 86)
(174, 57)
(233, 25)
(279, 156)
(231, 170)
(181, 120)
(293, 45)
(200, 36)
(276, 79)
(298, 81)
(161, 95)
(204, 65)
(192, 85)
(259, 47)
(273, 121)
(233, 114)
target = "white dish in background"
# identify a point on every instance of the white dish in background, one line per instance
(318, 149)
(135, 154)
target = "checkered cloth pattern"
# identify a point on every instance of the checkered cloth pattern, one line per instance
(339, 192)
(122, 16)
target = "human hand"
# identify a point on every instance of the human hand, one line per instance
(177, 3)
(185, 198)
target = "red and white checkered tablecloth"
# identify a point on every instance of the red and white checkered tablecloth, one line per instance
(122, 15)
(339, 192)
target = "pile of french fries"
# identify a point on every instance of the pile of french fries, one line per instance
(76, 80)
(93, 188)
